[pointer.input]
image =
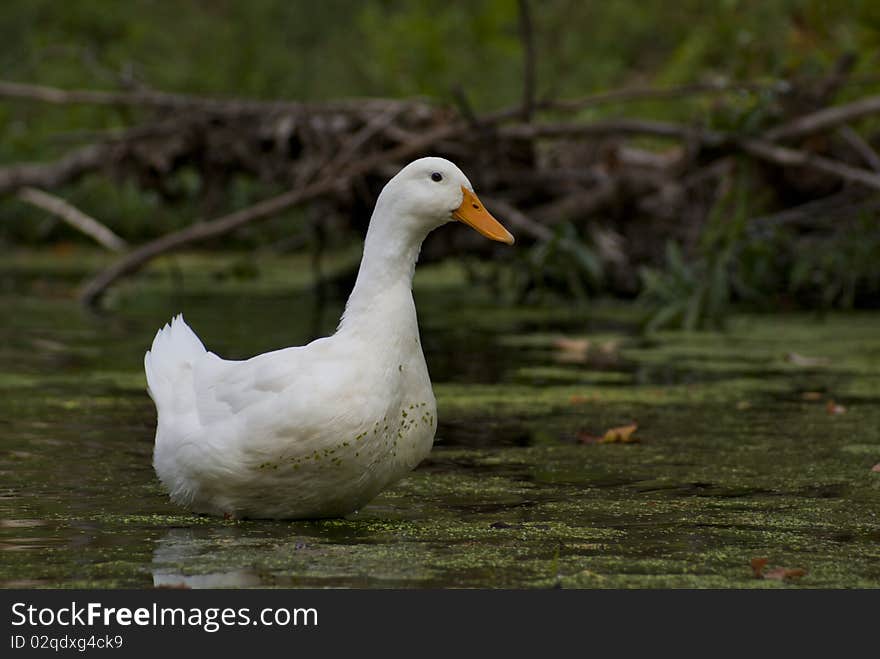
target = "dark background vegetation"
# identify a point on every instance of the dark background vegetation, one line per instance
(689, 240)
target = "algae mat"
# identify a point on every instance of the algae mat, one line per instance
(758, 442)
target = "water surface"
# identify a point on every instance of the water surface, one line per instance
(757, 442)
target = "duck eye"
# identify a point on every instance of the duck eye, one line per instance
(437, 177)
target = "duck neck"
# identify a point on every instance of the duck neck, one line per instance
(382, 293)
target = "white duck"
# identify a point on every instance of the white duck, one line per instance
(317, 430)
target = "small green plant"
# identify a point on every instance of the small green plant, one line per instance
(684, 295)
(564, 266)
(697, 294)
(841, 272)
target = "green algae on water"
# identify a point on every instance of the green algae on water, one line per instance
(739, 456)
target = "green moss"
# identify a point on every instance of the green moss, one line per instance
(734, 461)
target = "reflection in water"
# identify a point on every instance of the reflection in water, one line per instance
(182, 546)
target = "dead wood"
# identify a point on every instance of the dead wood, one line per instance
(607, 176)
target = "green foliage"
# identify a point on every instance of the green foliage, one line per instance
(834, 273)
(696, 295)
(685, 295)
(299, 49)
(837, 267)
(565, 266)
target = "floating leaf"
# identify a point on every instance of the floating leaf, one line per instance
(812, 395)
(758, 565)
(620, 435)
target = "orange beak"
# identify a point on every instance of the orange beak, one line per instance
(474, 214)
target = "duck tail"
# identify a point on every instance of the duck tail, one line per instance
(171, 358)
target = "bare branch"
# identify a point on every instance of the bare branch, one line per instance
(834, 207)
(51, 175)
(74, 217)
(611, 127)
(759, 148)
(633, 94)
(177, 102)
(374, 126)
(94, 290)
(824, 119)
(858, 144)
(780, 155)
(518, 219)
(578, 204)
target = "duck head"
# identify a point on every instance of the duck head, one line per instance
(430, 192)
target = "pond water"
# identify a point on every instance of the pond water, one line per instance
(754, 443)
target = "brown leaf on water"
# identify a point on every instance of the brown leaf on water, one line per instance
(758, 565)
(812, 395)
(620, 435)
(834, 409)
(778, 573)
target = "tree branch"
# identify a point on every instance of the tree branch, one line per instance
(824, 119)
(94, 290)
(518, 219)
(858, 144)
(74, 217)
(780, 155)
(759, 148)
(611, 127)
(53, 174)
(633, 94)
(178, 102)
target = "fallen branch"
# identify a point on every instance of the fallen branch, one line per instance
(374, 126)
(780, 155)
(179, 102)
(824, 119)
(610, 127)
(74, 217)
(51, 175)
(578, 204)
(759, 148)
(834, 208)
(94, 290)
(519, 220)
(339, 151)
(858, 144)
(634, 94)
